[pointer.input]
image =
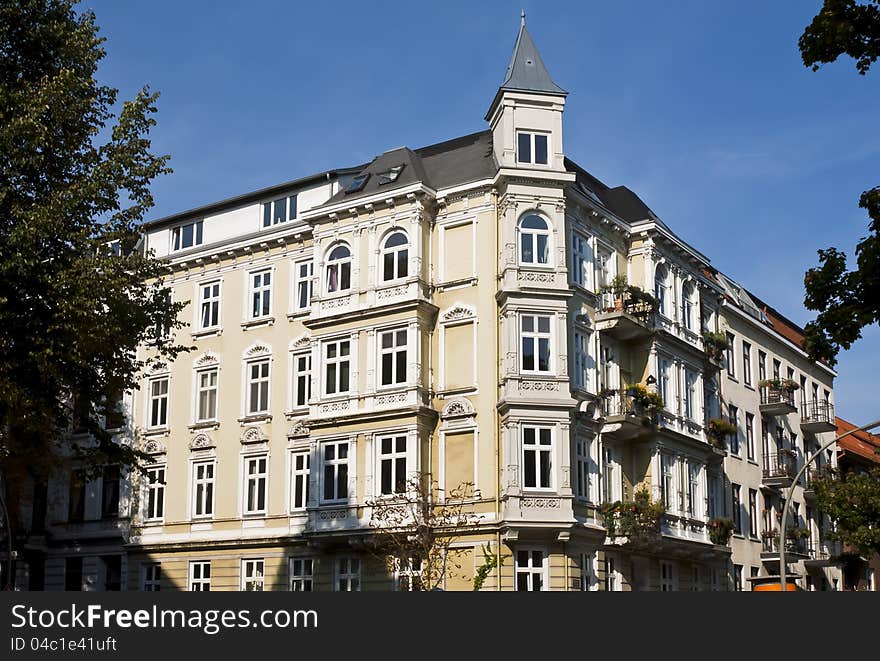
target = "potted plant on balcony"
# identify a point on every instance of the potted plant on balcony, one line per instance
(717, 431)
(617, 288)
(645, 402)
(781, 385)
(715, 344)
(720, 530)
(636, 519)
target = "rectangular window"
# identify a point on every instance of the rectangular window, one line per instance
(335, 462)
(581, 258)
(537, 457)
(392, 357)
(734, 437)
(753, 513)
(186, 236)
(337, 366)
(348, 574)
(203, 489)
(392, 464)
(258, 387)
(737, 509)
(535, 335)
(531, 148)
(252, 575)
(302, 379)
(750, 436)
(762, 365)
(73, 574)
(152, 577)
(747, 363)
(301, 574)
(738, 578)
(712, 498)
(158, 402)
(609, 489)
(209, 305)
(582, 361)
(667, 581)
(667, 481)
(206, 403)
(279, 211)
(693, 490)
(255, 478)
(299, 480)
(200, 576)
(690, 395)
(529, 571)
(586, 565)
(777, 369)
(731, 363)
(112, 567)
(76, 500)
(664, 383)
(155, 494)
(612, 579)
(110, 492)
(582, 468)
(261, 294)
(302, 284)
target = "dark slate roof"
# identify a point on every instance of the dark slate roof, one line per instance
(620, 200)
(526, 70)
(457, 161)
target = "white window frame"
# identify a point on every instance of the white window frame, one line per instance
(750, 436)
(530, 570)
(394, 252)
(300, 379)
(605, 268)
(339, 264)
(538, 448)
(214, 300)
(582, 341)
(337, 360)
(336, 462)
(197, 412)
(302, 573)
(273, 216)
(253, 574)
(747, 362)
(253, 473)
(346, 574)
(531, 134)
(661, 289)
(532, 234)
(731, 356)
(303, 281)
(689, 306)
(208, 492)
(581, 260)
(668, 481)
(391, 460)
(151, 577)
(261, 291)
(300, 474)
(588, 580)
(177, 235)
(691, 408)
(665, 382)
(395, 350)
(583, 482)
(536, 335)
(263, 383)
(695, 498)
(200, 583)
(153, 399)
(153, 488)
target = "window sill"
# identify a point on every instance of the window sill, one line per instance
(298, 412)
(207, 332)
(256, 323)
(255, 417)
(299, 314)
(206, 424)
(454, 284)
(157, 431)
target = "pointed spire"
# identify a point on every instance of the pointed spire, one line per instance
(526, 70)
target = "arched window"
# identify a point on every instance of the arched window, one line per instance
(395, 257)
(688, 306)
(660, 290)
(338, 269)
(534, 240)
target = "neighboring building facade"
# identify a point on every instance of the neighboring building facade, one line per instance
(446, 311)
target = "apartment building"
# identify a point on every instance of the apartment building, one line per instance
(479, 312)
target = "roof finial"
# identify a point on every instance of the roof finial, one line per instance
(522, 16)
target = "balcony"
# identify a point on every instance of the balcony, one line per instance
(796, 546)
(818, 417)
(625, 416)
(813, 473)
(776, 400)
(823, 553)
(779, 469)
(626, 317)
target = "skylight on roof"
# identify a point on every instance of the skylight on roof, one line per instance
(390, 175)
(357, 183)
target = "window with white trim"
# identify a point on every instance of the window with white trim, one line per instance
(155, 496)
(532, 147)
(392, 463)
(664, 381)
(713, 490)
(302, 284)
(762, 365)
(338, 269)
(747, 363)
(689, 306)
(605, 268)
(667, 577)
(581, 260)
(200, 576)
(302, 379)
(610, 480)
(258, 381)
(737, 508)
(299, 479)
(730, 357)
(529, 570)
(152, 577)
(583, 363)
(334, 455)
(690, 395)
(392, 357)
(301, 574)
(537, 449)
(348, 574)
(203, 489)
(734, 437)
(587, 572)
(395, 257)
(668, 489)
(753, 513)
(535, 336)
(260, 294)
(256, 475)
(408, 575)
(206, 394)
(694, 501)
(337, 366)
(661, 290)
(612, 577)
(186, 236)
(209, 305)
(158, 402)
(279, 211)
(750, 436)
(582, 468)
(534, 241)
(252, 575)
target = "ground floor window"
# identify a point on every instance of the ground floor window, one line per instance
(529, 570)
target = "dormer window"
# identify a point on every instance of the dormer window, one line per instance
(532, 148)
(358, 183)
(279, 211)
(391, 175)
(186, 236)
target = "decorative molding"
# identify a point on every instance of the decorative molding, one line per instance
(329, 515)
(206, 359)
(391, 292)
(458, 312)
(536, 276)
(333, 303)
(546, 503)
(253, 435)
(159, 367)
(154, 447)
(304, 341)
(460, 407)
(392, 398)
(257, 349)
(539, 386)
(299, 429)
(201, 442)
(335, 406)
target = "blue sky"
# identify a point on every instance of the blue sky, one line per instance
(703, 108)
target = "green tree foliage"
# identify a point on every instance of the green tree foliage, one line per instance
(77, 295)
(846, 301)
(852, 502)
